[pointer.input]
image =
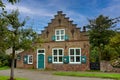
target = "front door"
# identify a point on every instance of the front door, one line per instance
(41, 60)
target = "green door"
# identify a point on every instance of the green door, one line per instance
(41, 61)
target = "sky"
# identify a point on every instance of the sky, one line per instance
(40, 12)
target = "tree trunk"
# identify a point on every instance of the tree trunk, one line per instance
(12, 64)
(100, 53)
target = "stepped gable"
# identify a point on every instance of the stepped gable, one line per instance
(60, 20)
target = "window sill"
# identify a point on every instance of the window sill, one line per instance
(57, 62)
(75, 63)
(30, 63)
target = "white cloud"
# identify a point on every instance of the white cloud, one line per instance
(113, 9)
(29, 11)
(79, 19)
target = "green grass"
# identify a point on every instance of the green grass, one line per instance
(90, 74)
(6, 78)
(4, 68)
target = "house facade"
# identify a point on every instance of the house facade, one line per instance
(66, 47)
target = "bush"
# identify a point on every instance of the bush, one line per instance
(0, 63)
(4, 60)
(116, 63)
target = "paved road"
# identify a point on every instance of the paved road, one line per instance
(43, 75)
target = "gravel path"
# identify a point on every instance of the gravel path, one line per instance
(43, 75)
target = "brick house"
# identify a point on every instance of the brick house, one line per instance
(66, 47)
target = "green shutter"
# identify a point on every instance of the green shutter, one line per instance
(66, 37)
(25, 59)
(18, 57)
(53, 38)
(49, 59)
(66, 59)
(83, 59)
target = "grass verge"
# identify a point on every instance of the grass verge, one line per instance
(4, 68)
(90, 74)
(7, 77)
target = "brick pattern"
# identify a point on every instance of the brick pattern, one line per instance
(77, 39)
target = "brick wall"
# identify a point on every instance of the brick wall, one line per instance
(77, 39)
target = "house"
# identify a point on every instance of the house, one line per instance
(66, 47)
(9, 51)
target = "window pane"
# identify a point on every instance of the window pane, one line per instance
(30, 59)
(77, 51)
(62, 37)
(58, 37)
(55, 52)
(57, 32)
(40, 51)
(55, 59)
(60, 52)
(60, 59)
(71, 51)
(72, 58)
(77, 58)
(62, 31)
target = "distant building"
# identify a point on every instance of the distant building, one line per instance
(9, 51)
(66, 47)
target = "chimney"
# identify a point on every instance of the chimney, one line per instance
(84, 29)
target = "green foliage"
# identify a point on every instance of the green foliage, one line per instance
(6, 78)
(4, 67)
(94, 55)
(4, 60)
(109, 53)
(89, 74)
(100, 31)
(3, 34)
(115, 43)
(13, 1)
(19, 37)
(116, 63)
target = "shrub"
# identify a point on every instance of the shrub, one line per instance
(116, 63)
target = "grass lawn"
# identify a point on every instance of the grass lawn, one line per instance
(6, 78)
(4, 68)
(90, 74)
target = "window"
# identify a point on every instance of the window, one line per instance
(57, 54)
(30, 59)
(41, 51)
(74, 55)
(60, 34)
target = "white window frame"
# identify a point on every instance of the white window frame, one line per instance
(29, 59)
(59, 34)
(74, 56)
(57, 55)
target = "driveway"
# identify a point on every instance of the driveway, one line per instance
(43, 75)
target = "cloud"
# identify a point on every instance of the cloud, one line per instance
(79, 19)
(29, 11)
(113, 9)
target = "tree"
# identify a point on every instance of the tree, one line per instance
(19, 37)
(100, 31)
(11, 1)
(94, 57)
(12, 33)
(3, 34)
(115, 43)
(3, 25)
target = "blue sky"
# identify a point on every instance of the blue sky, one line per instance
(41, 12)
